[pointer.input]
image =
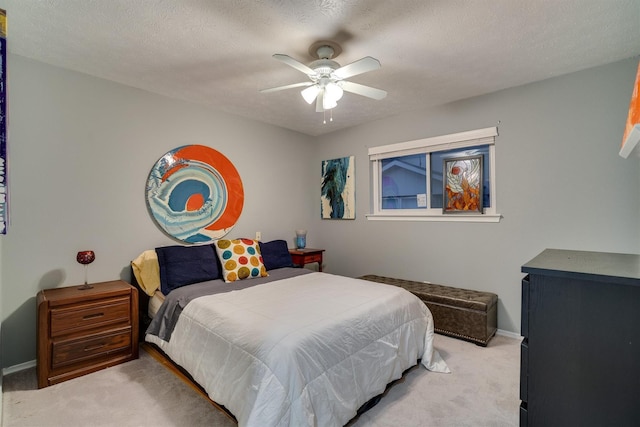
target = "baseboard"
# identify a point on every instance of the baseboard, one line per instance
(508, 334)
(17, 368)
(11, 370)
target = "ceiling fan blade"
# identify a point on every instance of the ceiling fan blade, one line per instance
(275, 89)
(358, 67)
(319, 102)
(368, 91)
(293, 63)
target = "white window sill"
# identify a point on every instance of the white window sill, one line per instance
(435, 218)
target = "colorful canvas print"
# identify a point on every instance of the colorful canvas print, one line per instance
(462, 185)
(338, 200)
(195, 194)
(4, 193)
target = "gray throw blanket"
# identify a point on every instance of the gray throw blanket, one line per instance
(167, 316)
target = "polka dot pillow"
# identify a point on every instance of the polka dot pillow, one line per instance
(240, 259)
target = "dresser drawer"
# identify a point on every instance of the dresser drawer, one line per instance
(524, 316)
(524, 415)
(89, 315)
(72, 351)
(524, 370)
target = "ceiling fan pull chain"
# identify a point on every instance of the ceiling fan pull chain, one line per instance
(331, 115)
(324, 117)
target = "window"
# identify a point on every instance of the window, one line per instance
(408, 177)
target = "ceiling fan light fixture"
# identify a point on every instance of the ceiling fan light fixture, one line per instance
(333, 91)
(328, 78)
(309, 94)
(328, 102)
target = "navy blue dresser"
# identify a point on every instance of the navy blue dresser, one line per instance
(580, 357)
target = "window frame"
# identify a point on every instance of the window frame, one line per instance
(468, 139)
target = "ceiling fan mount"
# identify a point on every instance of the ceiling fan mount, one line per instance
(324, 49)
(324, 52)
(327, 78)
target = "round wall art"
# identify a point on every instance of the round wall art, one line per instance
(194, 194)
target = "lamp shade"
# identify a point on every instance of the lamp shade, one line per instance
(333, 91)
(309, 94)
(85, 257)
(330, 92)
(328, 102)
(632, 130)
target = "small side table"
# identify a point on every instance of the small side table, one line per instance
(300, 257)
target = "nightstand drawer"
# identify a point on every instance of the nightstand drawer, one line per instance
(72, 351)
(67, 320)
(300, 257)
(313, 258)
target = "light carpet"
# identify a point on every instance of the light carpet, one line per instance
(482, 390)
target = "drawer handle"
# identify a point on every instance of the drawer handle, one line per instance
(94, 347)
(92, 316)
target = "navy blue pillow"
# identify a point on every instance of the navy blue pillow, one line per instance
(184, 265)
(275, 254)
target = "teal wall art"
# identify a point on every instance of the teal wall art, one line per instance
(338, 195)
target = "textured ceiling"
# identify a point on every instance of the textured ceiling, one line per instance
(218, 52)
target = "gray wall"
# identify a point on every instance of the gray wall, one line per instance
(81, 149)
(80, 152)
(560, 184)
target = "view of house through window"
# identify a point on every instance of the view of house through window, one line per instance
(408, 177)
(404, 182)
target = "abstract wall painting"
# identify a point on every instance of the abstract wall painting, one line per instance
(4, 189)
(195, 194)
(338, 193)
(462, 185)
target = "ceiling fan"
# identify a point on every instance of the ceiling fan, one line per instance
(327, 78)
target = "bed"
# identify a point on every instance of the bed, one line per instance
(290, 347)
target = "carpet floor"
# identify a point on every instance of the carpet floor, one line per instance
(482, 390)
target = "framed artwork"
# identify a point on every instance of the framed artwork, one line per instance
(338, 200)
(194, 194)
(462, 183)
(4, 190)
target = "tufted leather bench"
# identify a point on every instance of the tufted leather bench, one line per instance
(461, 313)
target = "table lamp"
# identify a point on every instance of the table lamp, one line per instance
(85, 258)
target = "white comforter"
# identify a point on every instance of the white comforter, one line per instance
(304, 351)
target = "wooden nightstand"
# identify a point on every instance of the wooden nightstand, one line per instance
(82, 331)
(300, 257)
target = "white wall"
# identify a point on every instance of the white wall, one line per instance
(80, 152)
(560, 184)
